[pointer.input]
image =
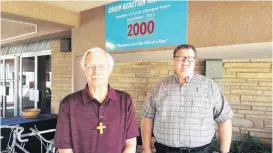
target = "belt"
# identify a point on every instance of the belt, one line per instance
(184, 149)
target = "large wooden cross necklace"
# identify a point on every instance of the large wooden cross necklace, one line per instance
(100, 126)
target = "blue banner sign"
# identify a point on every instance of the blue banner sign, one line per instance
(145, 24)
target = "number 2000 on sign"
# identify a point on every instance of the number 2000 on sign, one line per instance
(141, 28)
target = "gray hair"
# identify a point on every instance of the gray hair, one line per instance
(98, 50)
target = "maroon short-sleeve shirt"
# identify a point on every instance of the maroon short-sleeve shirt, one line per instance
(78, 119)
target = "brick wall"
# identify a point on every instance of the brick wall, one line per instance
(61, 69)
(246, 84)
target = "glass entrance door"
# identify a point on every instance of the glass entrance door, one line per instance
(25, 83)
(28, 83)
(9, 85)
(2, 90)
(35, 84)
(44, 83)
(8, 90)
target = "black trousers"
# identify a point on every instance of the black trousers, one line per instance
(164, 149)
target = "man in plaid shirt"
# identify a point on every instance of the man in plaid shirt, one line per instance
(183, 108)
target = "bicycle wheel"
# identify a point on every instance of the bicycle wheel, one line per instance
(6, 151)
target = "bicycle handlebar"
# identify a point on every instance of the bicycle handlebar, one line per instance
(18, 131)
(19, 135)
(36, 132)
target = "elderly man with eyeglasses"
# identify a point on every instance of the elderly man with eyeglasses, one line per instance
(97, 119)
(182, 109)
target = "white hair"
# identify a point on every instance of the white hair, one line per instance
(98, 50)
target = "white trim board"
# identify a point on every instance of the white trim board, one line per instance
(21, 35)
(27, 54)
(241, 51)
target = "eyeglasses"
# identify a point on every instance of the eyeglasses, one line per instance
(91, 67)
(183, 58)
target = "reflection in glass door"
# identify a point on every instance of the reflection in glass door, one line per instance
(7, 88)
(44, 85)
(28, 82)
(2, 95)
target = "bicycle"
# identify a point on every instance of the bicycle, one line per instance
(16, 132)
(49, 147)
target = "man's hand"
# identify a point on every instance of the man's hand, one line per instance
(130, 146)
(65, 151)
(147, 151)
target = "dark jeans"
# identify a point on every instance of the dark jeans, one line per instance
(163, 149)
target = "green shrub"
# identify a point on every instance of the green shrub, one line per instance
(247, 144)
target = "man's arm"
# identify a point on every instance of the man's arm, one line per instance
(130, 146)
(131, 128)
(62, 139)
(148, 111)
(225, 134)
(65, 151)
(146, 133)
(222, 115)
